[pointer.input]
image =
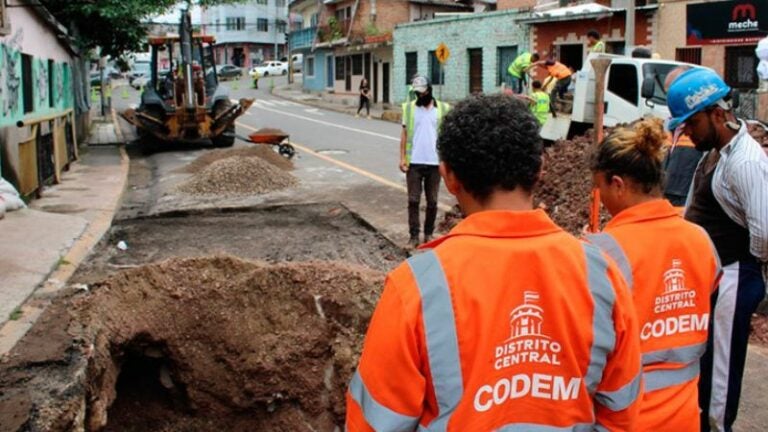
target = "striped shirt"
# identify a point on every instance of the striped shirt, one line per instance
(740, 185)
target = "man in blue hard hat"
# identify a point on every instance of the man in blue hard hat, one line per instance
(729, 199)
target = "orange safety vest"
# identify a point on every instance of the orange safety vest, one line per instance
(509, 323)
(672, 268)
(559, 70)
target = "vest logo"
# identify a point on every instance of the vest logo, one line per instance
(676, 297)
(527, 343)
(743, 18)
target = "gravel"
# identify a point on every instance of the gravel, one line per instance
(238, 175)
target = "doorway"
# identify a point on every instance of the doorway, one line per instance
(375, 83)
(475, 70)
(329, 71)
(385, 83)
(571, 55)
(348, 73)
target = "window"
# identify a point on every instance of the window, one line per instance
(622, 81)
(235, 23)
(27, 89)
(688, 55)
(740, 67)
(51, 84)
(658, 71)
(261, 2)
(411, 66)
(436, 72)
(280, 3)
(340, 69)
(309, 66)
(314, 20)
(505, 56)
(343, 14)
(281, 26)
(357, 64)
(262, 25)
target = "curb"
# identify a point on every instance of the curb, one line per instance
(12, 331)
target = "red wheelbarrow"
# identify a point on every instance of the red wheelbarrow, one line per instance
(274, 137)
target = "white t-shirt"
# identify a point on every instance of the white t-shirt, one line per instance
(424, 148)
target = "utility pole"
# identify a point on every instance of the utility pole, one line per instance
(629, 33)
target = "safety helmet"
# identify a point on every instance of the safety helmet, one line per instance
(420, 84)
(693, 91)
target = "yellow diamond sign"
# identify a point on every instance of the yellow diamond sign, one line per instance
(442, 53)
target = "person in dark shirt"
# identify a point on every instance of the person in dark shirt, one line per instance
(365, 98)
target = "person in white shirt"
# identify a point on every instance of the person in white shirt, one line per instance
(418, 156)
(729, 199)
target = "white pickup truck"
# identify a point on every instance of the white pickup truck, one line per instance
(634, 88)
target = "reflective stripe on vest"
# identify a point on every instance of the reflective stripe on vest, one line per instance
(533, 427)
(409, 115)
(611, 247)
(518, 66)
(686, 354)
(604, 335)
(376, 414)
(598, 47)
(663, 378)
(440, 334)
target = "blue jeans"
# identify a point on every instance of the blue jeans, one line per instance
(518, 84)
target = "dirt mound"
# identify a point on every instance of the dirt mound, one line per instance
(450, 219)
(218, 343)
(261, 151)
(238, 175)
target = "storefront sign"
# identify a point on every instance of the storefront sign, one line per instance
(727, 22)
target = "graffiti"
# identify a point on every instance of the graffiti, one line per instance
(42, 81)
(59, 83)
(10, 79)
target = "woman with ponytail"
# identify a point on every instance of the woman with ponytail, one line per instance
(670, 266)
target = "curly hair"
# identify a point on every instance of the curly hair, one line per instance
(491, 142)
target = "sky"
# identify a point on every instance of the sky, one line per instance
(173, 16)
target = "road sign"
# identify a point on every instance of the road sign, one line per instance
(442, 53)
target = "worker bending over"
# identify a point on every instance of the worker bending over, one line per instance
(519, 68)
(509, 322)
(670, 265)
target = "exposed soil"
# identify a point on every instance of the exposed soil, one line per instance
(759, 333)
(261, 151)
(238, 175)
(759, 133)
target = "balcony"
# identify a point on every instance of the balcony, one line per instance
(334, 30)
(302, 38)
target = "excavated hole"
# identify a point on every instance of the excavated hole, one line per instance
(220, 343)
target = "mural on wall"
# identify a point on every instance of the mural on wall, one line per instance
(10, 75)
(58, 83)
(42, 82)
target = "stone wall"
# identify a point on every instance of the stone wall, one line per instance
(488, 31)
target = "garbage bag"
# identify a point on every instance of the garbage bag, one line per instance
(762, 49)
(762, 70)
(10, 197)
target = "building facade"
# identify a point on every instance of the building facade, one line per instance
(44, 108)
(249, 33)
(481, 47)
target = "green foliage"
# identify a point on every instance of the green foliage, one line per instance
(371, 29)
(16, 314)
(116, 26)
(334, 29)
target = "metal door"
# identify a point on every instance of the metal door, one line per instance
(385, 82)
(475, 70)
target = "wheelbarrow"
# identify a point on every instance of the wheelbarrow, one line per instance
(274, 138)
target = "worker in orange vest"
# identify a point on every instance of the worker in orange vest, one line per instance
(508, 322)
(671, 267)
(560, 74)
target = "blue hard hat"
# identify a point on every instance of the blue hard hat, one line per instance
(693, 91)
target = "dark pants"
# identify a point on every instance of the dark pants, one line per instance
(722, 366)
(428, 178)
(255, 83)
(561, 87)
(364, 102)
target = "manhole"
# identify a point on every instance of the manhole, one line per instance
(332, 151)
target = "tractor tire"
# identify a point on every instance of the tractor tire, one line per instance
(227, 138)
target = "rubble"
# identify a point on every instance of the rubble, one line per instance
(238, 175)
(264, 152)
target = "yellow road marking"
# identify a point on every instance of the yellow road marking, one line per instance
(350, 167)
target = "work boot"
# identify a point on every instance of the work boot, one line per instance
(427, 238)
(414, 242)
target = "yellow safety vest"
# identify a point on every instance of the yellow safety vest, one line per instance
(409, 114)
(540, 107)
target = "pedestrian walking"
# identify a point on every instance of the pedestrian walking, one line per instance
(365, 98)
(594, 42)
(560, 75)
(729, 199)
(256, 77)
(519, 68)
(670, 265)
(418, 156)
(509, 322)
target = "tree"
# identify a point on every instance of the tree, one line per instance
(116, 26)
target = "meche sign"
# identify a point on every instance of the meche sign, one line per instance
(727, 22)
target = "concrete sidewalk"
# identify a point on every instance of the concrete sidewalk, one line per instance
(41, 246)
(340, 103)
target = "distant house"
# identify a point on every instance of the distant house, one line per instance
(44, 107)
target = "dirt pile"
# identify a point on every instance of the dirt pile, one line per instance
(261, 151)
(450, 219)
(238, 175)
(759, 133)
(217, 343)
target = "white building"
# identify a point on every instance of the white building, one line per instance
(248, 33)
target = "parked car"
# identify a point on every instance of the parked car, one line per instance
(270, 68)
(96, 78)
(229, 71)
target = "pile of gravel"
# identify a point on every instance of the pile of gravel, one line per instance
(238, 175)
